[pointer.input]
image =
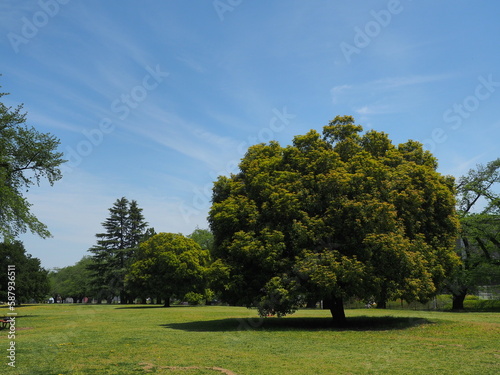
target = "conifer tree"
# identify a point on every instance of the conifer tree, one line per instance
(115, 248)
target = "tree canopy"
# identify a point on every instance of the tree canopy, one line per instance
(168, 265)
(203, 237)
(26, 157)
(333, 216)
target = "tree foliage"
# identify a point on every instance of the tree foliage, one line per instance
(31, 280)
(479, 241)
(26, 158)
(169, 265)
(333, 216)
(203, 237)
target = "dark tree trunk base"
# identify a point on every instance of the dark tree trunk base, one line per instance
(338, 313)
(458, 301)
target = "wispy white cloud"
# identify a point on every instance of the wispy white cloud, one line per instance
(385, 84)
(380, 109)
(338, 91)
(52, 122)
(391, 83)
(192, 63)
(169, 129)
(385, 95)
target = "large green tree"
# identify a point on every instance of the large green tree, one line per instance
(330, 217)
(169, 265)
(31, 280)
(115, 248)
(479, 240)
(26, 158)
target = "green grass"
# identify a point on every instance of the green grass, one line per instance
(110, 339)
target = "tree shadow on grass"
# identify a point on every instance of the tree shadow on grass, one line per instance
(359, 323)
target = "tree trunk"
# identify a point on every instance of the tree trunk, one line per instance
(167, 302)
(336, 306)
(382, 298)
(458, 300)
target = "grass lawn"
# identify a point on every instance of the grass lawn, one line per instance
(111, 339)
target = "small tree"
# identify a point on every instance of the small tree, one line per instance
(169, 265)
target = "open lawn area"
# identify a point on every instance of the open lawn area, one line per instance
(142, 339)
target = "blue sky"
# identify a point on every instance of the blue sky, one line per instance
(153, 99)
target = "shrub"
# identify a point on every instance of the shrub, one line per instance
(482, 305)
(194, 298)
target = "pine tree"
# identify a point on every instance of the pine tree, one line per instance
(136, 225)
(115, 248)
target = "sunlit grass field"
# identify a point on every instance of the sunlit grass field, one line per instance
(112, 339)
